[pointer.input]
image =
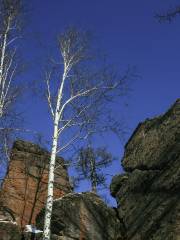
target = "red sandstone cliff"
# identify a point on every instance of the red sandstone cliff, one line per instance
(24, 188)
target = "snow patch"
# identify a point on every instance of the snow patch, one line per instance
(7, 221)
(32, 229)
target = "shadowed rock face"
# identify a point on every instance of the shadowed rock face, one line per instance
(83, 217)
(9, 231)
(24, 189)
(148, 194)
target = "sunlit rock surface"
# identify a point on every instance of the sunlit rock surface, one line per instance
(24, 189)
(148, 194)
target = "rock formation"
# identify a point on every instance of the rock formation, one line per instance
(148, 193)
(82, 216)
(24, 188)
(9, 231)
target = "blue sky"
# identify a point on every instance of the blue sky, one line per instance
(128, 32)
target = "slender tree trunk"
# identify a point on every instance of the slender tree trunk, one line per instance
(49, 203)
(25, 194)
(93, 175)
(2, 83)
(38, 188)
(4, 45)
(93, 186)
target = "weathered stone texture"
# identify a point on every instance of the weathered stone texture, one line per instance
(83, 216)
(24, 189)
(148, 194)
(155, 142)
(9, 231)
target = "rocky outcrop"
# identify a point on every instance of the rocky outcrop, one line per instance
(148, 194)
(83, 216)
(9, 231)
(24, 188)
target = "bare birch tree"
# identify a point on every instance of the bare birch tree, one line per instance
(74, 92)
(9, 34)
(10, 16)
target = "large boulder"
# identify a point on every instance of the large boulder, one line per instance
(83, 216)
(148, 194)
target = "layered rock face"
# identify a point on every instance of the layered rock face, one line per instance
(83, 217)
(148, 194)
(24, 189)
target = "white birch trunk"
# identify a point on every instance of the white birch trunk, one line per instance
(3, 51)
(1, 68)
(49, 203)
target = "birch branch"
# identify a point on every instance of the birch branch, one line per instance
(75, 137)
(49, 95)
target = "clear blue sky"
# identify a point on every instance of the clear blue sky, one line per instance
(129, 33)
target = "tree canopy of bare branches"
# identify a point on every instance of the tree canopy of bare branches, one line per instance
(90, 165)
(169, 15)
(10, 89)
(78, 93)
(9, 34)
